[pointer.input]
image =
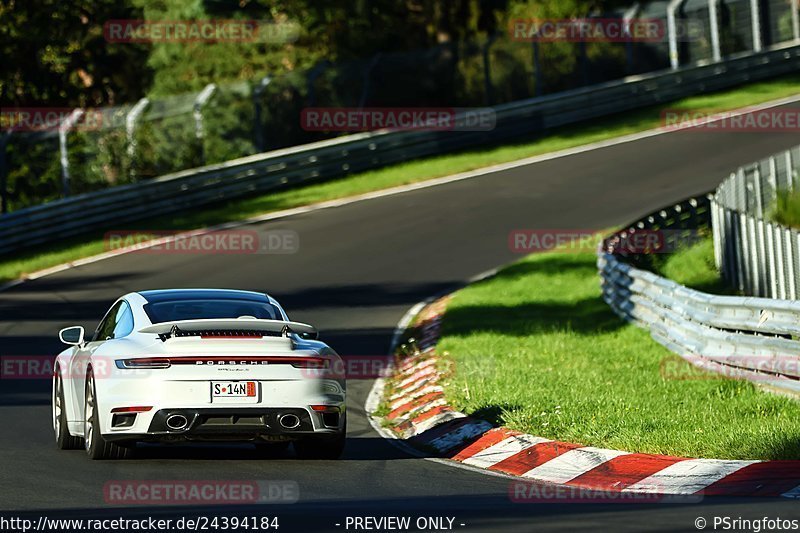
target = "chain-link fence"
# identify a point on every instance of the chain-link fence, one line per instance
(156, 136)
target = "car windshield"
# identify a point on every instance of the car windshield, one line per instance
(195, 309)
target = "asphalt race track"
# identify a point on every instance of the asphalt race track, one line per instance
(359, 268)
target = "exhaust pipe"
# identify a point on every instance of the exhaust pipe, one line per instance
(289, 421)
(177, 422)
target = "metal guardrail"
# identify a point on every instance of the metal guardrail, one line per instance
(759, 257)
(344, 155)
(743, 337)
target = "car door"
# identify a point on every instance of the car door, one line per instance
(80, 361)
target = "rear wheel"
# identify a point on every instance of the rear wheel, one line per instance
(327, 447)
(64, 440)
(96, 446)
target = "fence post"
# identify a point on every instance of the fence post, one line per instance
(131, 119)
(537, 69)
(4, 172)
(759, 192)
(792, 247)
(315, 72)
(713, 18)
(367, 77)
(258, 130)
(629, 14)
(674, 55)
(755, 19)
(487, 76)
(63, 131)
(197, 111)
(767, 255)
(779, 268)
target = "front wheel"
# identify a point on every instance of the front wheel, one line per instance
(96, 446)
(64, 441)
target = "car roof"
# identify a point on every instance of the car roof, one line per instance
(165, 295)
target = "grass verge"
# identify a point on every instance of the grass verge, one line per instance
(536, 349)
(16, 265)
(787, 209)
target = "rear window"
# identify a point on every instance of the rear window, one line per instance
(172, 310)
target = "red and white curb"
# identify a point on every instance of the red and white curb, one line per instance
(420, 416)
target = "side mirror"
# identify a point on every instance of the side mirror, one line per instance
(72, 335)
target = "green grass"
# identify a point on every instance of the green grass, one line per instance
(694, 267)
(787, 209)
(15, 265)
(536, 349)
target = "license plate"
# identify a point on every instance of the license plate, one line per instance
(233, 389)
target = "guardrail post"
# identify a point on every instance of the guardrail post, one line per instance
(789, 172)
(713, 18)
(4, 172)
(197, 110)
(258, 130)
(795, 8)
(755, 19)
(487, 75)
(63, 131)
(131, 120)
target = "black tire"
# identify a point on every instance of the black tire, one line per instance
(327, 447)
(96, 446)
(64, 440)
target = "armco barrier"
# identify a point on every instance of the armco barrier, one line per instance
(743, 337)
(353, 153)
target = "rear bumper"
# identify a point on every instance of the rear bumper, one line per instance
(239, 424)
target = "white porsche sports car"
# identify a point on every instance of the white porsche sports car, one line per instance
(198, 364)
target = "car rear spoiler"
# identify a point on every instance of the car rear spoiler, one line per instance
(165, 330)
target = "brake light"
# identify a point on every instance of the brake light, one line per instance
(139, 409)
(308, 362)
(150, 362)
(325, 408)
